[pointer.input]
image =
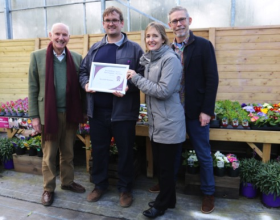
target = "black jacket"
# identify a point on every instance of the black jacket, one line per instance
(201, 77)
(129, 53)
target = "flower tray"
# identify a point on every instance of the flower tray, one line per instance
(266, 128)
(240, 127)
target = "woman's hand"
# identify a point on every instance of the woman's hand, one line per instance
(130, 74)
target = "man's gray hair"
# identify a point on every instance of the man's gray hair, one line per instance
(67, 27)
(178, 8)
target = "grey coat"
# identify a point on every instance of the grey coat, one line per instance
(161, 84)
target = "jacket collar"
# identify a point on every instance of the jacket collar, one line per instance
(153, 55)
(103, 42)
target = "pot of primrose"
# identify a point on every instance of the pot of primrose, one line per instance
(268, 181)
(6, 153)
(249, 167)
(19, 146)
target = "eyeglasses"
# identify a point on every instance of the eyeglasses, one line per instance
(181, 20)
(114, 21)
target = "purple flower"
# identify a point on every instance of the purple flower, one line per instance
(243, 105)
(249, 108)
(261, 114)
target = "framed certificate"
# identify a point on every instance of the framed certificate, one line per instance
(107, 77)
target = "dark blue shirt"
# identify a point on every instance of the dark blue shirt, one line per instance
(105, 54)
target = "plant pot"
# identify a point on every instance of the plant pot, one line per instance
(20, 114)
(9, 164)
(235, 123)
(2, 113)
(25, 114)
(233, 173)
(20, 151)
(14, 114)
(248, 190)
(192, 170)
(219, 171)
(269, 201)
(39, 153)
(214, 123)
(32, 152)
(224, 122)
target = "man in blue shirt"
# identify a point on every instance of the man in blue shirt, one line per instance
(112, 114)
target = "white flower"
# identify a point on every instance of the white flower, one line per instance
(217, 153)
(220, 158)
(226, 160)
(193, 158)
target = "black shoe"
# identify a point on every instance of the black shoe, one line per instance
(151, 204)
(153, 212)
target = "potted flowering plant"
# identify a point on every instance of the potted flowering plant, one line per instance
(268, 181)
(191, 161)
(35, 143)
(18, 145)
(220, 162)
(31, 148)
(264, 116)
(233, 168)
(6, 153)
(2, 110)
(249, 167)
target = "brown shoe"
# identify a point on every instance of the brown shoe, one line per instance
(74, 187)
(154, 189)
(126, 199)
(95, 195)
(47, 198)
(207, 204)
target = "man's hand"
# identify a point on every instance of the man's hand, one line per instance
(36, 123)
(204, 119)
(87, 90)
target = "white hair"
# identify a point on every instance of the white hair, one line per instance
(66, 26)
(178, 8)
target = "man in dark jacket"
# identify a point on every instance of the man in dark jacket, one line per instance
(198, 93)
(112, 115)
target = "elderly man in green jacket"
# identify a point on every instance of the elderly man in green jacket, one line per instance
(55, 108)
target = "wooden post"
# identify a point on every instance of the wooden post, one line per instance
(37, 44)
(266, 152)
(11, 132)
(212, 36)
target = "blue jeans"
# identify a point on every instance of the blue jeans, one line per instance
(199, 137)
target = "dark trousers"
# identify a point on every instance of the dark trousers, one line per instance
(102, 129)
(177, 164)
(165, 155)
(199, 137)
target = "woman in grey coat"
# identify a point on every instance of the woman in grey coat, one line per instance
(167, 131)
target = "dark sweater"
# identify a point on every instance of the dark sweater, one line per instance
(60, 83)
(105, 54)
